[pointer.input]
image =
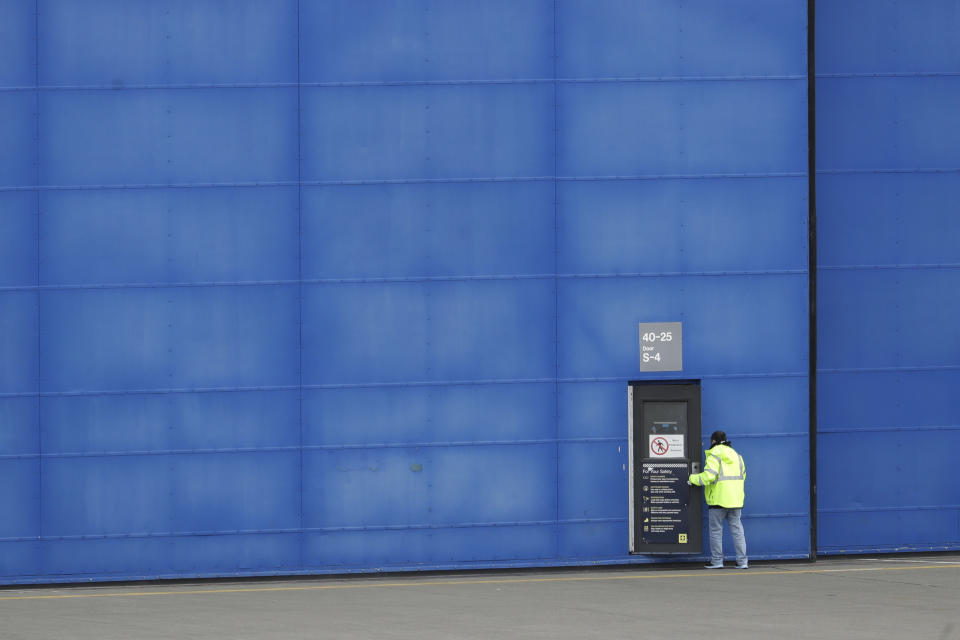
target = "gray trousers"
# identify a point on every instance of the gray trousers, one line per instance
(732, 516)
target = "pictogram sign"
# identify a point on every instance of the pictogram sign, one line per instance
(666, 446)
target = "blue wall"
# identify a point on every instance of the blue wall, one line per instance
(888, 183)
(353, 286)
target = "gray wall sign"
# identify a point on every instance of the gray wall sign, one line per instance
(661, 346)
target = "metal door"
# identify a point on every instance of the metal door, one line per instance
(664, 426)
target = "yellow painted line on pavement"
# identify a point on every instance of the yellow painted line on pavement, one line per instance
(728, 573)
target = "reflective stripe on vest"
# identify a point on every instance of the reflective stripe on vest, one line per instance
(722, 477)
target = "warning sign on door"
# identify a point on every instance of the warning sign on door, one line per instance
(666, 446)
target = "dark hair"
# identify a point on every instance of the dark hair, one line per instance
(720, 437)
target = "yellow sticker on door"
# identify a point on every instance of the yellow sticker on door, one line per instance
(683, 538)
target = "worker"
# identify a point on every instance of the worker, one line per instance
(722, 480)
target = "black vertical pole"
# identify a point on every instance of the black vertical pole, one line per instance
(812, 262)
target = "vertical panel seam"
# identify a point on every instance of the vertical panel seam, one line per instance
(299, 296)
(556, 279)
(36, 176)
(812, 266)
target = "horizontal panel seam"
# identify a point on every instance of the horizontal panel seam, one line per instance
(784, 434)
(400, 181)
(937, 507)
(922, 170)
(842, 549)
(410, 279)
(321, 447)
(379, 385)
(402, 83)
(294, 530)
(890, 74)
(354, 446)
(875, 267)
(951, 427)
(349, 529)
(917, 368)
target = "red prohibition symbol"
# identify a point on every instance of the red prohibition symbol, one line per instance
(659, 446)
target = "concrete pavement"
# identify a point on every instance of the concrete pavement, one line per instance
(848, 598)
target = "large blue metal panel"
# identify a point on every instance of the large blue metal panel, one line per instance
(889, 318)
(20, 558)
(158, 338)
(593, 480)
(446, 131)
(18, 44)
(115, 495)
(592, 410)
(429, 548)
(18, 131)
(19, 497)
(889, 343)
(169, 557)
(428, 230)
(732, 324)
(907, 125)
(237, 492)
(101, 558)
(922, 455)
(428, 331)
(768, 421)
(593, 540)
(168, 136)
(368, 548)
(168, 235)
(776, 537)
(656, 38)
(115, 43)
(233, 554)
(870, 531)
(170, 422)
(182, 413)
(656, 226)
(163, 494)
(422, 40)
(910, 417)
(778, 524)
(19, 470)
(463, 545)
(429, 414)
(887, 36)
(850, 400)
(627, 129)
(777, 406)
(415, 486)
(18, 342)
(18, 239)
(922, 513)
(773, 490)
(18, 415)
(899, 219)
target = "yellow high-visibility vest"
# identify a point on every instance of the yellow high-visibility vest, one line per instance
(722, 478)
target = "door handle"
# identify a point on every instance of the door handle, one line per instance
(694, 467)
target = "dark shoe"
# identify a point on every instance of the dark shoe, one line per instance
(713, 566)
(743, 566)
